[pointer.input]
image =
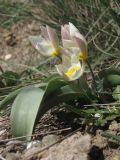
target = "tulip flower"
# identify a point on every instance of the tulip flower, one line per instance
(47, 43)
(74, 41)
(71, 68)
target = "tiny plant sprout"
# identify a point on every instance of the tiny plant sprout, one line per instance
(47, 43)
(73, 40)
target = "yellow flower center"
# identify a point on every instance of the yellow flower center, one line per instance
(55, 52)
(72, 70)
(82, 56)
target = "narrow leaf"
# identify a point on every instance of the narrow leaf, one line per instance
(116, 93)
(9, 98)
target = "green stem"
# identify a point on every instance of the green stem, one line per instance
(1, 69)
(93, 77)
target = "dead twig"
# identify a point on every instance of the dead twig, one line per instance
(38, 134)
(37, 151)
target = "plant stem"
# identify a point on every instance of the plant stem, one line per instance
(93, 77)
(1, 69)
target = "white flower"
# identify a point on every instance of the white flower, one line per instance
(47, 43)
(71, 68)
(74, 41)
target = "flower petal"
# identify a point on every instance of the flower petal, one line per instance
(69, 43)
(66, 60)
(75, 71)
(73, 41)
(70, 73)
(78, 72)
(43, 46)
(83, 49)
(65, 32)
(44, 32)
(74, 32)
(77, 44)
(60, 69)
(53, 37)
(35, 40)
(71, 68)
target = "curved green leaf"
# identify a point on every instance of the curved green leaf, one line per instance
(110, 71)
(112, 80)
(11, 78)
(11, 96)
(28, 107)
(110, 77)
(116, 93)
(52, 77)
(24, 111)
(70, 92)
(111, 136)
(55, 84)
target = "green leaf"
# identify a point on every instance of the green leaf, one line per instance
(112, 80)
(68, 92)
(54, 84)
(9, 98)
(52, 77)
(30, 105)
(74, 109)
(110, 71)
(72, 92)
(110, 77)
(116, 93)
(10, 78)
(24, 111)
(111, 136)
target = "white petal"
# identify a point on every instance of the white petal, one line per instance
(44, 32)
(72, 28)
(53, 37)
(70, 48)
(65, 32)
(60, 69)
(69, 43)
(66, 60)
(77, 68)
(35, 40)
(74, 59)
(71, 68)
(43, 46)
(79, 40)
(83, 48)
(75, 71)
(74, 32)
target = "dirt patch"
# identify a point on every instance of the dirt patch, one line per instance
(15, 48)
(51, 128)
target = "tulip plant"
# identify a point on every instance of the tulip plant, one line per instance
(73, 51)
(69, 85)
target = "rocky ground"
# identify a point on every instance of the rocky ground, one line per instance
(16, 53)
